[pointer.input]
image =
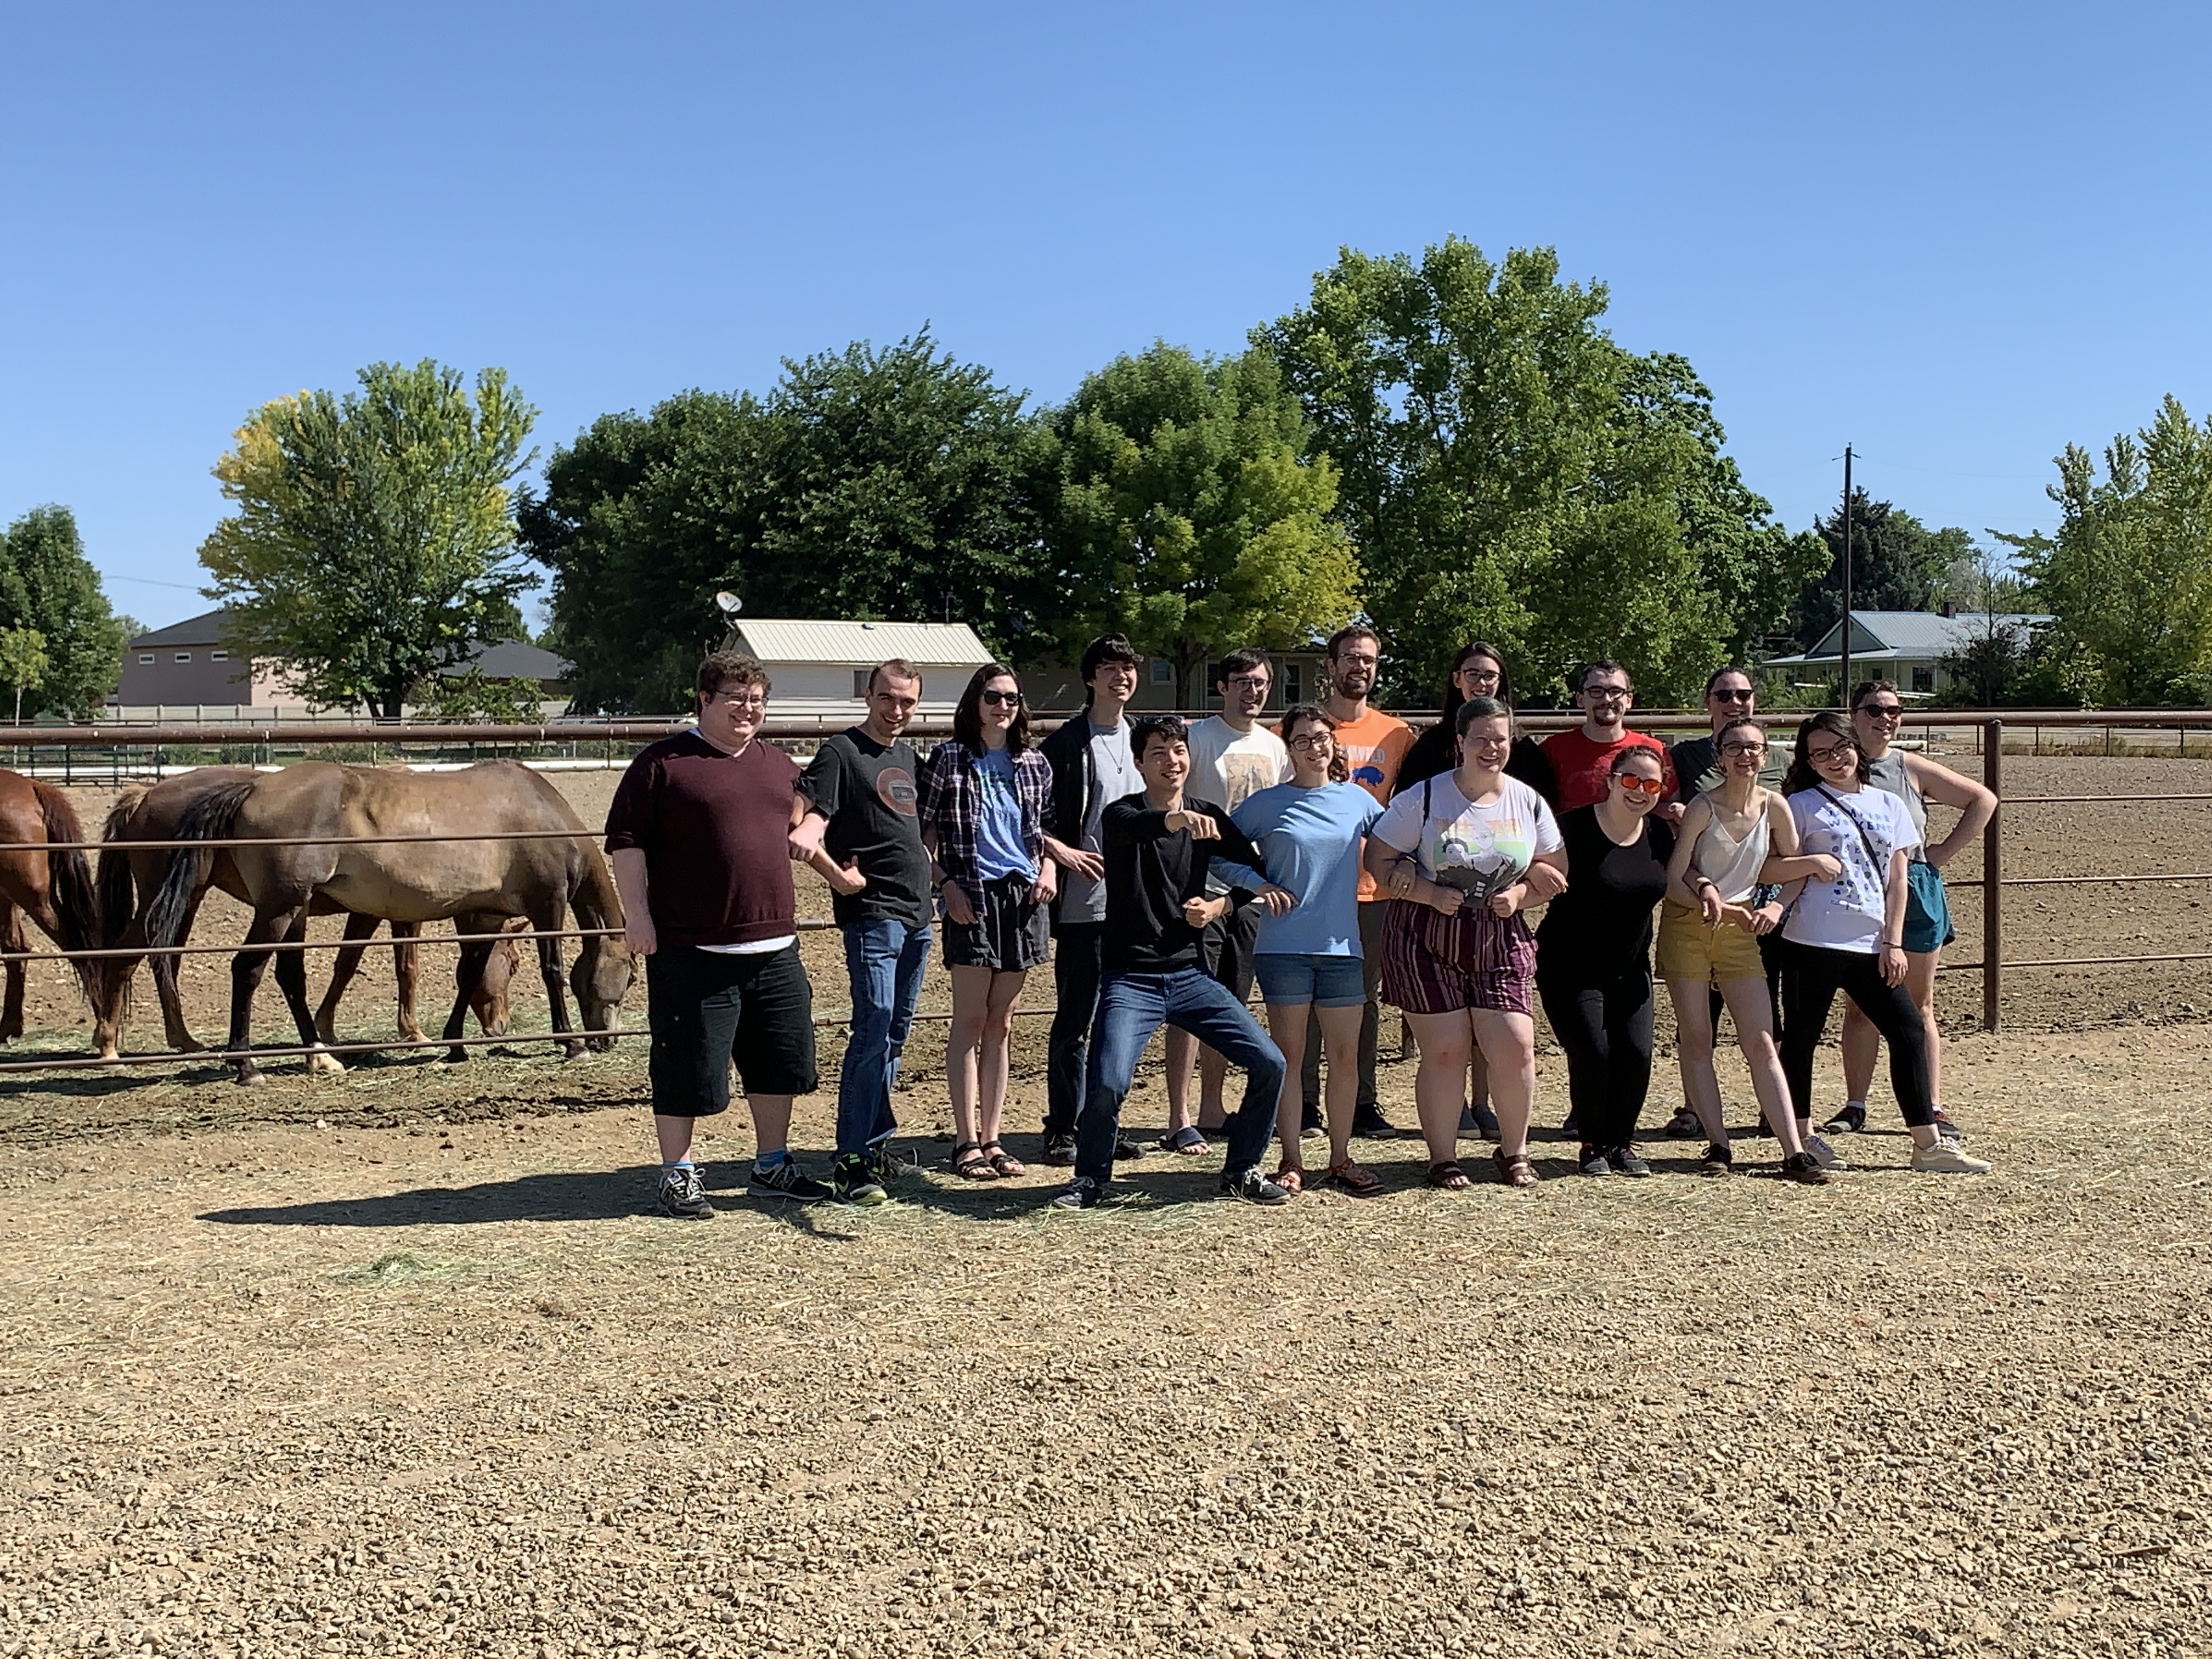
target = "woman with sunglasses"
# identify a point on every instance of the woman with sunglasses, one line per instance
(1307, 958)
(1735, 838)
(1458, 854)
(1877, 713)
(1593, 957)
(986, 800)
(1847, 934)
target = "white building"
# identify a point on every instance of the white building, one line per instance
(1907, 646)
(819, 670)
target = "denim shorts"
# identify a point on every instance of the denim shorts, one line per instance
(1325, 981)
(1927, 910)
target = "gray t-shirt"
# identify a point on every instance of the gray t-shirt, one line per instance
(1113, 775)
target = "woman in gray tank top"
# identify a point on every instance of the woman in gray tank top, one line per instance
(1877, 712)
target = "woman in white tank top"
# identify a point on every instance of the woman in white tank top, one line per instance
(1733, 839)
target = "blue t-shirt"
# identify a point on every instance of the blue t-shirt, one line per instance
(1310, 838)
(1000, 848)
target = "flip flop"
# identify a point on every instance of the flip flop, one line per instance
(1189, 1141)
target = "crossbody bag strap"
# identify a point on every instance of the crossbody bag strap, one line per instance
(1865, 840)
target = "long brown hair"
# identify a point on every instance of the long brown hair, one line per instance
(1801, 775)
(1312, 713)
(968, 714)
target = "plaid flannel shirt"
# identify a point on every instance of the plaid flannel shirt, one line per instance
(951, 806)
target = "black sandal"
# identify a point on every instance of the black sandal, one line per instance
(977, 1167)
(1003, 1163)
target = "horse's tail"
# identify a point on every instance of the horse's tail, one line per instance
(119, 894)
(68, 879)
(211, 818)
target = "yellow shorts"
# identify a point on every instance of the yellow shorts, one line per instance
(1688, 949)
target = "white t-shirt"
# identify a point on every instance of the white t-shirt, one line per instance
(1480, 850)
(1847, 913)
(1229, 767)
(1114, 775)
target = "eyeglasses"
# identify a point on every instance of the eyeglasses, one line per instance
(1882, 711)
(1608, 693)
(1248, 682)
(1003, 699)
(1631, 785)
(1479, 675)
(1312, 740)
(1844, 750)
(1741, 749)
(1743, 696)
(740, 699)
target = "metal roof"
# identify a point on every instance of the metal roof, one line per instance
(210, 627)
(1902, 635)
(862, 644)
(511, 660)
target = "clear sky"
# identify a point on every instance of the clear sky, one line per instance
(1958, 236)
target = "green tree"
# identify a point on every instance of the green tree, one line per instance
(2129, 573)
(1188, 516)
(895, 485)
(23, 662)
(1897, 563)
(374, 537)
(48, 586)
(1510, 473)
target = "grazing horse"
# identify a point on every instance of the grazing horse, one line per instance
(54, 889)
(129, 877)
(477, 883)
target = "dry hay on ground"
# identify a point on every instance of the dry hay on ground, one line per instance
(436, 1388)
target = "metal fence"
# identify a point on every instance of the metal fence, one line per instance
(616, 738)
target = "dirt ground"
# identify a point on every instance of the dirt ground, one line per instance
(399, 1363)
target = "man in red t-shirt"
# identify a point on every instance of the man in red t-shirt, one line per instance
(1582, 759)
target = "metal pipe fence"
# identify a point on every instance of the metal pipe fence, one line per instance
(1990, 733)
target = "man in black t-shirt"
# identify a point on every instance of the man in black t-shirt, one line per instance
(1159, 847)
(861, 798)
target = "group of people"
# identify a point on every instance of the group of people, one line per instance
(1333, 859)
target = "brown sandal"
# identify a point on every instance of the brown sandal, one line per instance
(1514, 1170)
(1448, 1176)
(1355, 1180)
(1290, 1179)
(1003, 1163)
(968, 1161)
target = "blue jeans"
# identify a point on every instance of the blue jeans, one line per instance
(885, 960)
(1131, 1007)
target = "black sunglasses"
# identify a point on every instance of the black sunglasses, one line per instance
(1003, 699)
(1730, 697)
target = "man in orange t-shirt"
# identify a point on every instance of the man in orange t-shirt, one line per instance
(1372, 743)
(1581, 759)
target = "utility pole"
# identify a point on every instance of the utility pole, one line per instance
(1846, 691)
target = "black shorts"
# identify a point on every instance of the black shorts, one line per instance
(1226, 948)
(1010, 934)
(708, 1009)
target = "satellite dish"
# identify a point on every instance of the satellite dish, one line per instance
(730, 603)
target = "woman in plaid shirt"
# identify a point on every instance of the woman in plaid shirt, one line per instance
(985, 799)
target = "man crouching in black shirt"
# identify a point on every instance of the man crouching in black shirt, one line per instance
(1158, 845)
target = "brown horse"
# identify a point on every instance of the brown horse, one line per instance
(131, 876)
(54, 889)
(477, 883)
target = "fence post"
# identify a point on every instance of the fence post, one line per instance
(1993, 875)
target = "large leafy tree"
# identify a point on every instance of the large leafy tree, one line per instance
(1509, 472)
(1190, 518)
(48, 586)
(1897, 563)
(2129, 573)
(374, 536)
(897, 485)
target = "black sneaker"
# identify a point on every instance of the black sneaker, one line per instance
(789, 1179)
(1626, 1162)
(1849, 1121)
(1571, 1128)
(682, 1195)
(1479, 1120)
(1804, 1168)
(1082, 1193)
(1718, 1160)
(1310, 1125)
(1593, 1161)
(1758, 1126)
(1125, 1147)
(1684, 1125)
(1254, 1188)
(1060, 1147)
(853, 1179)
(888, 1167)
(1369, 1124)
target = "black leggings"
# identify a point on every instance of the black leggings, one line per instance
(1606, 1031)
(1811, 978)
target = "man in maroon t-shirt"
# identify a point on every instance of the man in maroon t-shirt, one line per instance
(699, 834)
(1581, 759)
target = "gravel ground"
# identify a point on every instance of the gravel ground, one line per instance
(444, 1388)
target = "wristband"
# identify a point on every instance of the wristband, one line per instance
(1894, 943)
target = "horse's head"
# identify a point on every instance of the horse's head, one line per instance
(490, 997)
(600, 978)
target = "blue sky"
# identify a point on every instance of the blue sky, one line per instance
(1958, 236)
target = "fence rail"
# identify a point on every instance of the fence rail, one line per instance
(1990, 733)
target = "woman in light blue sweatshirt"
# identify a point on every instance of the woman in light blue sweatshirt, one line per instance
(1310, 831)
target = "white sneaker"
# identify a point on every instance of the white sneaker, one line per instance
(1949, 1158)
(1823, 1154)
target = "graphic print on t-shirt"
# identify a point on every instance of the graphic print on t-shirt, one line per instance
(894, 787)
(1246, 775)
(1481, 855)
